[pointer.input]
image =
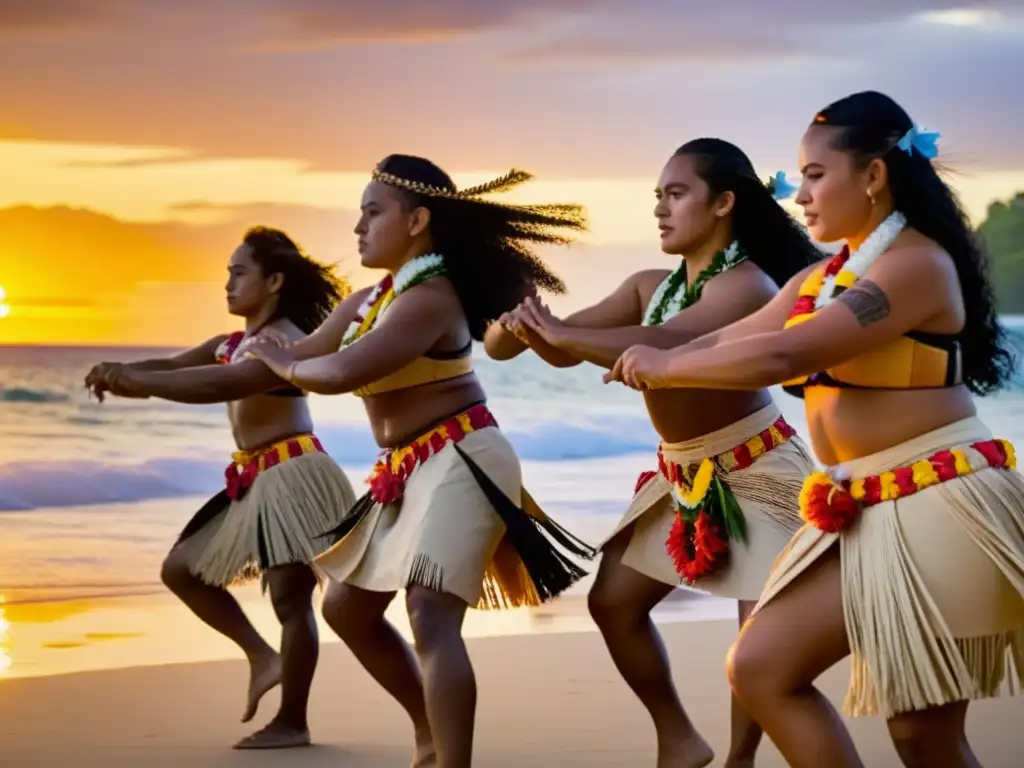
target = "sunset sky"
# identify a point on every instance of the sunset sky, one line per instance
(139, 139)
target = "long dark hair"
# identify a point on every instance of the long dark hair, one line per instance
(310, 290)
(771, 238)
(487, 246)
(872, 125)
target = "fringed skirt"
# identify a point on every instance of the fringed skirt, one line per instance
(932, 568)
(762, 463)
(448, 512)
(278, 502)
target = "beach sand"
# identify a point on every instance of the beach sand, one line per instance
(548, 699)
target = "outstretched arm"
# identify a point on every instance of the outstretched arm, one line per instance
(413, 325)
(203, 383)
(895, 296)
(728, 297)
(506, 339)
(512, 334)
(205, 353)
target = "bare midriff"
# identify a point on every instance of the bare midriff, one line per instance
(846, 424)
(400, 415)
(684, 414)
(261, 420)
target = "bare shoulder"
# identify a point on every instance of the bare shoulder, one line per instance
(646, 282)
(915, 257)
(437, 295)
(746, 280)
(281, 332)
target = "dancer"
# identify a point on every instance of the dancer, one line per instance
(912, 556)
(738, 246)
(282, 489)
(446, 517)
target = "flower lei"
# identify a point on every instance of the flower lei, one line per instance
(822, 286)
(414, 272)
(832, 505)
(707, 516)
(673, 295)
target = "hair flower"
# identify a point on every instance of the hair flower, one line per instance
(781, 187)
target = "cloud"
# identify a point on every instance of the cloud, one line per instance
(158, 157)
(19, 16)
(647, 50)
(163, 283)
(599, 27)
(560, 92)
(316, 23)
(733, 32)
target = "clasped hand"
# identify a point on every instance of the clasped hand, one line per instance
(532, 316)
(641, 368)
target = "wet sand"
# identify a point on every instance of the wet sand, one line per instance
(545, 699)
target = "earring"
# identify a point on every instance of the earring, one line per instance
(871, 198)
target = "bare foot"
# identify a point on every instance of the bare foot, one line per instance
(276, 736)
(264, 674)
(689, 752)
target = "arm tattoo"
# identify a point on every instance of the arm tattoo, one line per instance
(867, 301)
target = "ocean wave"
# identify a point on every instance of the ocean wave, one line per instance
(31, 485)
(28, 395)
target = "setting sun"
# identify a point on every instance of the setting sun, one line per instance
(5, 310)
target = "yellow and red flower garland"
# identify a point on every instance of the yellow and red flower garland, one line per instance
(391, 472)
(417, 271)
(246, 466)
(707, 513)
(381, 295)
(812, 285)
(833, 506)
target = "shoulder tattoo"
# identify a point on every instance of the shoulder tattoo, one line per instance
(867, 301)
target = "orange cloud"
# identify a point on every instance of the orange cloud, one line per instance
(307, 24)
(75, 276)
(59, 16)
(78, 277)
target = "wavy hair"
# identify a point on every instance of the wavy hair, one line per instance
(310, 289)
(488, 247)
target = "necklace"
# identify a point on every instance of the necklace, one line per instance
(412, 273)
(674, 295)
(854, 265)
(824, 284)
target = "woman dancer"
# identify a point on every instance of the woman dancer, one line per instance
(912, 557)
(444, 518)
(738, 245)
(281, 491)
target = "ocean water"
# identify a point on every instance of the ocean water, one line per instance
(92, 494)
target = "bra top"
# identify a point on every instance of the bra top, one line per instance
(427, 369)
(916, 360)
(233, 350)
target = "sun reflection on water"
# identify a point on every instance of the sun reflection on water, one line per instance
(5, 656)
